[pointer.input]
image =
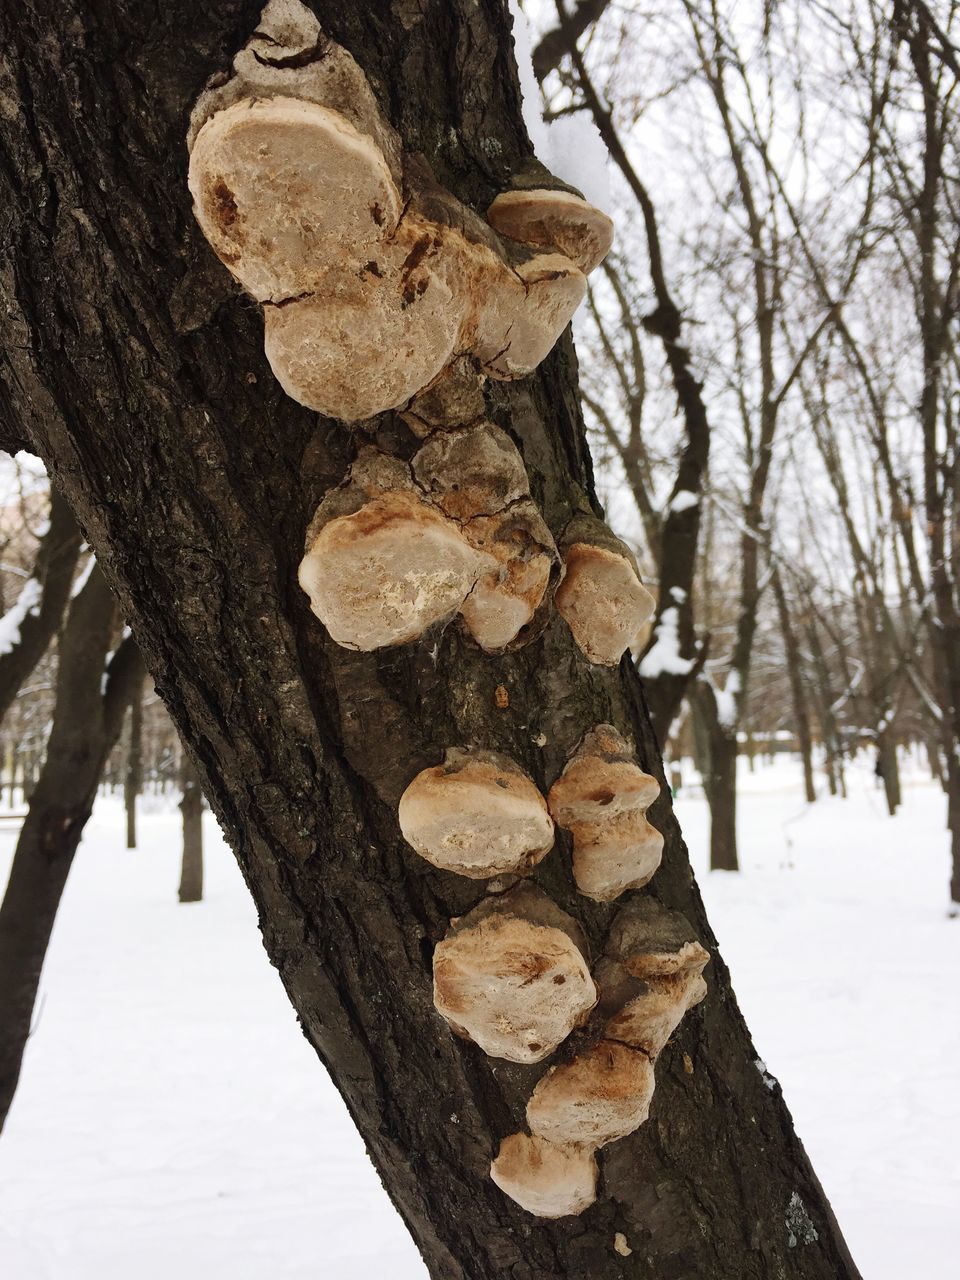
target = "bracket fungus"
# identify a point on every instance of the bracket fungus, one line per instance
(512, 976)
(477, 814)
(601, 598)
(556, 218)
(374, 279)
(546, 1180)
(602, 1095)
(651, 975)
(602, 798)
(506, 599)
(382, 565)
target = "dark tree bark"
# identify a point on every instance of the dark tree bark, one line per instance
(191, 810)
(133, 775)
(86, 724)
(53, 574)
(138, 371)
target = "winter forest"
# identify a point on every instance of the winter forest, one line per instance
(479, 639)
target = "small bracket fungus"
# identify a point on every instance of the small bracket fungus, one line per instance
(477, 814)
(502, 606)
(512, 976)
(602, 798)
(546, 1180)
(369, 294)
(601, 598)
(651, 975)
(382, 565)
(600, 1096)
(557, 219)
(519, 322)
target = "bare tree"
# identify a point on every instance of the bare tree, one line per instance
(195, 478)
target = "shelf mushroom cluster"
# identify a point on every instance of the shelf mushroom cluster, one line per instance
(649, 977)
(381, 291)
(513, 975)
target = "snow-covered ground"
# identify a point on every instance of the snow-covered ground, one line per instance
(172, 1122)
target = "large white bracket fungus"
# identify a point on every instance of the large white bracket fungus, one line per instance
(546, 1180)
(602, 798)
(601, 598)
(477, 814)
(369, 294)
(512, 976)
(651, 975)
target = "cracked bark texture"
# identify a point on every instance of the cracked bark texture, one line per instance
(135, 367)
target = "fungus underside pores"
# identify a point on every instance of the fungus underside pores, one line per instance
(381, 291)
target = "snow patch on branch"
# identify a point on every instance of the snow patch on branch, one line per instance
(727, 700)
(683, 500)
(663, 657)
(83, 577)
(28, 602)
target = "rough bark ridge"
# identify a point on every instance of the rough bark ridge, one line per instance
(137, 370)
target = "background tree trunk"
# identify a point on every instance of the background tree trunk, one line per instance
(132, 363)
(86, 724)
(133, 776)
(191, 809)
(801, 714)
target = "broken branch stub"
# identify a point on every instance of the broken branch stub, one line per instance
(477, 814)
(601, 597)
(512, 976)
(546, 1180)
(602, 798)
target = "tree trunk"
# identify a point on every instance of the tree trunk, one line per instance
(86, 724)
(720, 781)
(801, 713)
(139, 375)
(889, 768)
(191, 808)
(133, 778)
(51, 579)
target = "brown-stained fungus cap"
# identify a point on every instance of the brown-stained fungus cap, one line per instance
(477, 814)
(385, 574)
(557, 219)
(602, 1095)
(546, 1180)
(601, 598)
(511, 977)
(601, 780)
(602, 797)
(283, 188)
